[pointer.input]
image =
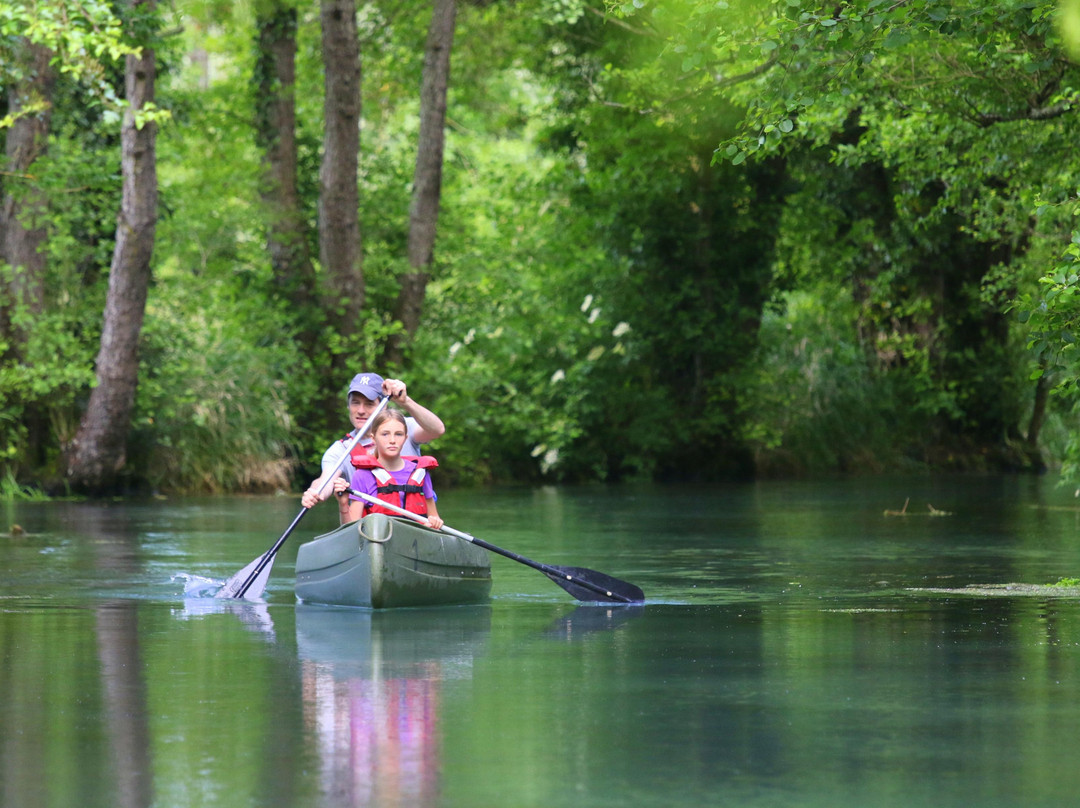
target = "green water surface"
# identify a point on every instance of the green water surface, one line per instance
(798, 647)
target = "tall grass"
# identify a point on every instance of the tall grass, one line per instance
(13, 491)
(214, 412)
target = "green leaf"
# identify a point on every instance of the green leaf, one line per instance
(897, 39)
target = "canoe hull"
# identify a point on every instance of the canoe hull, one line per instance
(382, 562)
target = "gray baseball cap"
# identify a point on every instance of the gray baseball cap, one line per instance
(369, 385)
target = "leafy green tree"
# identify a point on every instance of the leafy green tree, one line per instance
(427, 178)
(689, 242)
(614, 295)
(922, 136)
(64, 203)
(222, 384)
(98, 453)
(24, 209)
(83, 39)
(339, 214)
(288, 231)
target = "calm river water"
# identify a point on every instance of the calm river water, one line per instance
(798, 648)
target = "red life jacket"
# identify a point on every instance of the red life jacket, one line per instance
(358, 451)
(390, 492)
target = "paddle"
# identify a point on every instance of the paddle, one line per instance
(259, 569)
(583, 584)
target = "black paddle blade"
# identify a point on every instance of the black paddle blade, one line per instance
(590, 585)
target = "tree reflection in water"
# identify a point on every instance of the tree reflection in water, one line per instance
(123, 680)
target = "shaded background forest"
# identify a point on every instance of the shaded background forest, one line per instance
(673, 240)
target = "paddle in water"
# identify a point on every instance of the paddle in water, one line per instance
(250, 582)
(583, 584)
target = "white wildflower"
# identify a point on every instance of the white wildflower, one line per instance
(454, 349)
(558, 376)
(620, 329)
(549, 461)
(586, 303)
(593, 315)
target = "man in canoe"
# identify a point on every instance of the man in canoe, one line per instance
(364, 391)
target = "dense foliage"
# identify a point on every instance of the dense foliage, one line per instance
(677, 239)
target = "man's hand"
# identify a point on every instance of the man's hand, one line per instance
(395, 388)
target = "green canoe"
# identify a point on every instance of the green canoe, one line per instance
(382, 562)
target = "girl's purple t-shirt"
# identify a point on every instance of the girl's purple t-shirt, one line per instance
(364, 481)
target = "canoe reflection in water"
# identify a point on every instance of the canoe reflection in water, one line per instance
(373, 683)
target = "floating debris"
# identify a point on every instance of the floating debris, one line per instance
(1006, 590)
(931, 511)
(901, 512)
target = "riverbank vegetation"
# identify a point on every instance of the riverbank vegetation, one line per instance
(662, 240)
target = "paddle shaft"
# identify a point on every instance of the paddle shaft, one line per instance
(551, 572)
(269, 554)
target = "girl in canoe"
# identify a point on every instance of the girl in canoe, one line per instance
(392, 477)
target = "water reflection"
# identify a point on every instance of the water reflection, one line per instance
(372, 688)
(124, 695)
(116, 550)
(200, 600)
(73, 677)
(588, 619)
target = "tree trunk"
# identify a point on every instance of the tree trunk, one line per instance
(427, 181)
(98, 452)
(339, 222)
(22, 213)
(275, 131)
(1042, 388)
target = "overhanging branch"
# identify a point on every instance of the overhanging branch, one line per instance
(985, 119)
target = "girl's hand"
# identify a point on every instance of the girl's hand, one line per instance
(341, 485)
(435, 522)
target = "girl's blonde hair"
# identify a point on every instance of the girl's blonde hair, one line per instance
(388, 415)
